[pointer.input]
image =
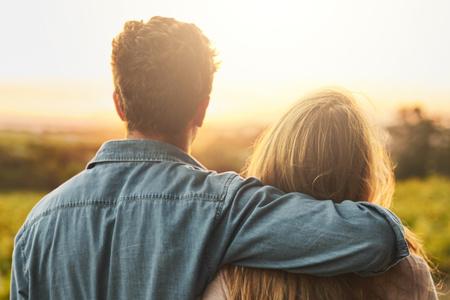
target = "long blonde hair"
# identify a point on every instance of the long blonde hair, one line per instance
(326, 147)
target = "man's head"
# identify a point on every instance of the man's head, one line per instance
(163, 72)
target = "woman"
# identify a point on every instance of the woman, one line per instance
(324, 146)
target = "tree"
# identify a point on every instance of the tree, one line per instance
(420, 145)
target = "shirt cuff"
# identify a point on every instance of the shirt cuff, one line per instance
(401, 246)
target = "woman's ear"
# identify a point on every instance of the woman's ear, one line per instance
(118, 105)
(201, 112)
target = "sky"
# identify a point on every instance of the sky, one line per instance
(55, 54)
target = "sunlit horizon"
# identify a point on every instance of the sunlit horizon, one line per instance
(55, 65)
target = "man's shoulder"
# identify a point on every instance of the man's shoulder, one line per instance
(62, 196)
(225, 185)
(184, 180)
(167, 180)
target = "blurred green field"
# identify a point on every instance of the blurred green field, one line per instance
(422, 204)
(14, 207)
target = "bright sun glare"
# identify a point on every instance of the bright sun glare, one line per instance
(57, 60)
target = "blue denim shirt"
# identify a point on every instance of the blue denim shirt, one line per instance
(145, 220)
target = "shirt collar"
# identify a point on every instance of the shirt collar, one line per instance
(141, 150)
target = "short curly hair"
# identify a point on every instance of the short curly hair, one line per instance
(162, 69)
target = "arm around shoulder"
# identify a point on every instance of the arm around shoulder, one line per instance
(268, 228)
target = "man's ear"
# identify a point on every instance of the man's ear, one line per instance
(118, 106)
(201, 112)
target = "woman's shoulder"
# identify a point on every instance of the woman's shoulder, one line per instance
(415, 266)
(414, 274)
(216, 290)
(417, 262)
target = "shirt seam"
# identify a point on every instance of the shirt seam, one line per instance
(136, 158)
(18, 245)
(25, 269)
(237, 185)
(139, 150)
(107, 203)
(131, 159)
(219, 209)
(112, 156)
(196, 196)
(227, 184)
(47, 212)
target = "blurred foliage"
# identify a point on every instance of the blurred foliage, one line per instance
(420, 145)
(423, 205)
(14, 207)
(225, 149)
(41, 162)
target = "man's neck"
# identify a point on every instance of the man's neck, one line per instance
(182, 141)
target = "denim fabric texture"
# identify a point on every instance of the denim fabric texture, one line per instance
(145, 220)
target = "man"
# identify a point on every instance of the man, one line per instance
(146, 221)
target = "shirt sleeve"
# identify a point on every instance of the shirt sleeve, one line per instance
(19, 280)
(267, 228)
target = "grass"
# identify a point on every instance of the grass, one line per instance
(424, 205)
(14, 207)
